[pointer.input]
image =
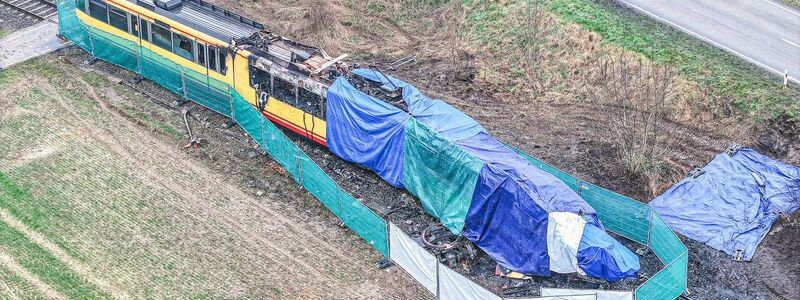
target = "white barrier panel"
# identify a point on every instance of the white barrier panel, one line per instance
(572, 297)
(601, 294)
(454, 286)
(414, 259)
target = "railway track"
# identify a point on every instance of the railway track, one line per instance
(36, 9)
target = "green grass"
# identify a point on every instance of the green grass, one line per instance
(752, 90)
(795, 3)
(17, 287)
(4, 33)
(37, 260)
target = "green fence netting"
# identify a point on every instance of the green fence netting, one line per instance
(670, 282)
(355, 215)
(442, 175)
(70, 27)
(620, 214)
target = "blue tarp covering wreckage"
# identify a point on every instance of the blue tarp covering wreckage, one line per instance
(731, 205)
(526, 219)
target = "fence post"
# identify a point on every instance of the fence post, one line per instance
(649, 226)
(299, 169)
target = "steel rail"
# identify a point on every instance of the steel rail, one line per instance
(32, 10)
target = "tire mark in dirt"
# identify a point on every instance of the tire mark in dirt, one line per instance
(209, 177)
(15, 267)
(127, 152)
(181, 190)
(135, 127)
(54, 249)
(156, 181)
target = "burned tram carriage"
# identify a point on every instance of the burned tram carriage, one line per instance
(284, 79)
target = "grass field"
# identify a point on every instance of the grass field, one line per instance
(99, 199)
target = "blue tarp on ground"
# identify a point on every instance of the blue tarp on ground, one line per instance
(366, 130)
(449, 122)
(727, 207)
(601, 256)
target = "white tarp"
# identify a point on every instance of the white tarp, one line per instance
(600, 294)
(410, 256)
(456, 287)
(564, 231)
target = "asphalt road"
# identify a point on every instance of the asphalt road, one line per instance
(764, 32)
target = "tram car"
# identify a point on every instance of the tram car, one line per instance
(286, 80)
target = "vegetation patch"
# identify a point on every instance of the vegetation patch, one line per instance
(726, 77)
(16, 287)
(795, 3)
(37, 260)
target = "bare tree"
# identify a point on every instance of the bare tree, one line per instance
(538, 28)
(461, 59)
(637, 101)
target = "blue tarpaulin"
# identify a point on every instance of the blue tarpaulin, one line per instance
(601, 256)
(513, 233)
(449, 122)
(508, 217)
(733, 204)
(366, 130)
(541, 187)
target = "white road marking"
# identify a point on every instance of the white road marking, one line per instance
(781, 7)
(697, 35)
(790, 43)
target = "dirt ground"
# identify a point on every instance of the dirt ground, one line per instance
(556, 126)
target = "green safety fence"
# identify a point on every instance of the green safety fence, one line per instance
(622, 215)
(355, 215)
(638, 222)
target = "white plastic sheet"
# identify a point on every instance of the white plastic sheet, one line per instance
(457, 287)
(600, 294)
(564, 231)
(414, 259)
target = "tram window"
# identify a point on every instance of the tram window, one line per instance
(182, 46)
(201, 54)
(222, 62)
(143, 28)
(284, 91)
(117, 18)
(81, 5)
(98, 10)
(162, 37)
(212, 58)
(134, 24)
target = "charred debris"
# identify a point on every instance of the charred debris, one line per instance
(300, 74)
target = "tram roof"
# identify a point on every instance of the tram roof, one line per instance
(205, 17)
